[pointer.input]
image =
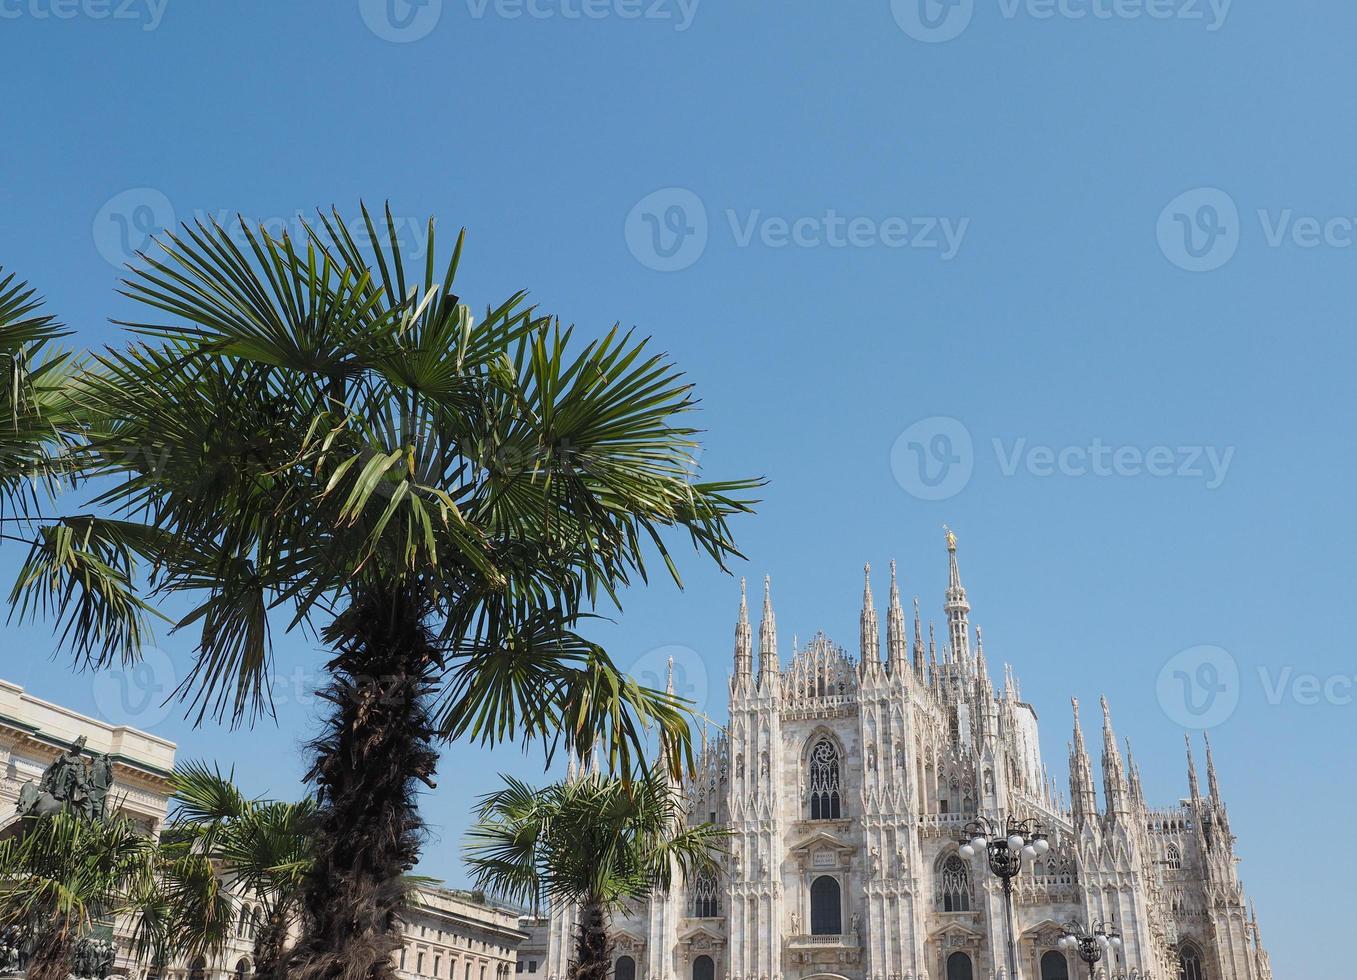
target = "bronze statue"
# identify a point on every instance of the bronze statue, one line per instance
(71, 781)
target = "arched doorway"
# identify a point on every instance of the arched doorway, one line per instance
(704, 968)
(826, 909)
(1054, 966)
(625, 969)
(959, 967)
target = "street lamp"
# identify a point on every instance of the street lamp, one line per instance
(1007, 845)
(1091, 942)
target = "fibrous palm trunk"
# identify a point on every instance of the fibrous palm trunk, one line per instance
(593, 947)
(376, 744)
(270, 947)
(52, 952)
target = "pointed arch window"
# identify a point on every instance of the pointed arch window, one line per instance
(824, 788)
(1190, 964)
(1175, 857)
(706, 904)
(954, 885)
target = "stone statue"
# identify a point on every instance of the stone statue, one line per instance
(796, 924)
(71, 781)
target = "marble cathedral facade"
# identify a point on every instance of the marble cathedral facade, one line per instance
(846, 784)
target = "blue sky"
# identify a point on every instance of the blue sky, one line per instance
(1080, 286)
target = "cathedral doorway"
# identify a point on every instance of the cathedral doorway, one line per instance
(959, 967)
(1054, 966)
(704, 968)
(625, 968)
(826, 909)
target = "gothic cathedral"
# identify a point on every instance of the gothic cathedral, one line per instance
(847, 786)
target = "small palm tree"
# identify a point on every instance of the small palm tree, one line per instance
(595, 842)
(64, 874)
(324, 438)
(264, 848)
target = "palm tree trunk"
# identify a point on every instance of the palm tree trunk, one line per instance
(270, 946)
(377, 742)
(53, 947)
(593, 947)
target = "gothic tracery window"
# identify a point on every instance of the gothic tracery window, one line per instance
(1190, 964)
(954, 885)
(1175, 857)
(824, 781)
(705, 902)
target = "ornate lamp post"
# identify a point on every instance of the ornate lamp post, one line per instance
(1006, 845)
(1091, 942)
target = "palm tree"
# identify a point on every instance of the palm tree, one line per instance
(262, 847)
(323, 438)
(35, 405)
(64, 874)
(596, 842)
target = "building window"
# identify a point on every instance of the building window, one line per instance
(437, 965)
(826, 910)
(419, 964)
(705, 902)
(954, 885)
(1175, 857)
(704, 968)
(198, 971)
(959, 967)
(624, 969)
(532, 966)
(824, 781)
(1054, 966)
(242, 969)
(1190, 964)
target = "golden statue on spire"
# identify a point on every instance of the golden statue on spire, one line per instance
(951, 538)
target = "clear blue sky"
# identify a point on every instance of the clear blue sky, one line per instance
(1069, 309)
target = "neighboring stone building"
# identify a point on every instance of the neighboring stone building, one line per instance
(448, 934)
(34, 732)
(846, 785)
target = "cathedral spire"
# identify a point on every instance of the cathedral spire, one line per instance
(870, 631)
(1133, 777)
(896, 657)
(1114, 774)
(933, 656)
(744, 639)
(1083, 797)
(920, 656)
(1193, 789)
(956, 606)
(1212, 785)
(768, 663)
